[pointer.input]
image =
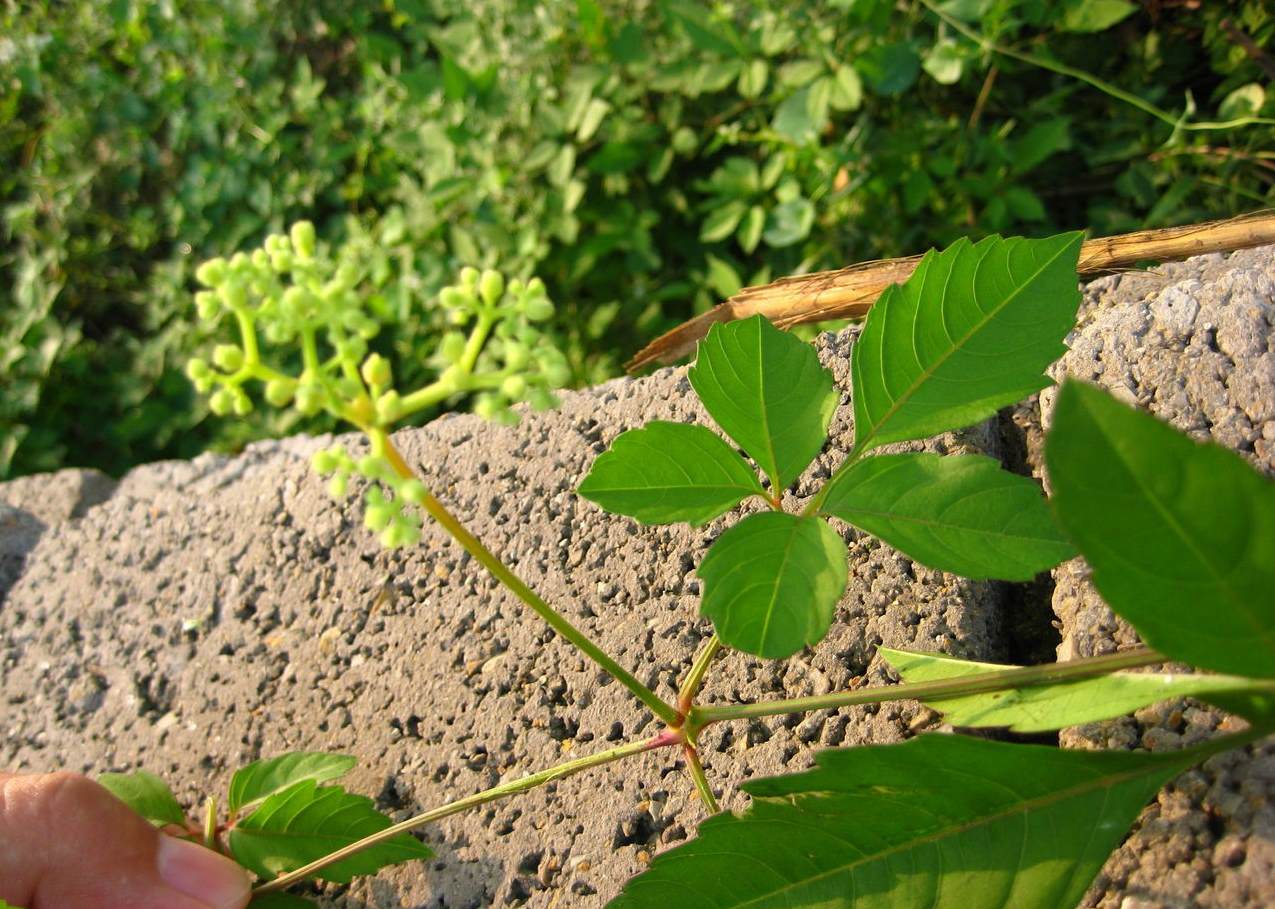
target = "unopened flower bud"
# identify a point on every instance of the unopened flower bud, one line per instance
(376, 370)
(280, 391)
(221, 402)
(302, 234)
(323, 461)
(413, 491)
(516, 355)
(492, 286)
(389, 407)
(212, 272)
(538, 309)
(206, 305)
(514, 388)
(309, 398)
(487, 406)
(452, 347)
(377, 517)
(454, 298)
(228, 357)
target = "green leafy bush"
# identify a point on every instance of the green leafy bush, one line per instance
(644, 160)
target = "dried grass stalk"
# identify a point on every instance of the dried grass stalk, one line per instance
(848, 293)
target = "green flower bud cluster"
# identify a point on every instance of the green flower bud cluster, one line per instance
(295, 295)
(518, 360)
(386, 515)
(494, 347)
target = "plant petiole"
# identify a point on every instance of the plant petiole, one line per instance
(696, 770)
(501, 572)
(983, 683)
(503, 790)
(695, 678)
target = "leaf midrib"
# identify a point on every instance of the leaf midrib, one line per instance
(1047, 800)
(1171, 521)
(861, 446)
(774, 593)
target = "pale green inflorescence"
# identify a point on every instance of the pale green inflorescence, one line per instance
(295, 294)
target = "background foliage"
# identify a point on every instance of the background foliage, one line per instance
(645, 159)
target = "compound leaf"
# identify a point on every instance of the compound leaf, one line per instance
(1180, 535)
(972, 330)
(769, 393)
(1052, 706)
(666, 472)
(262, 779)
(146, 794)
(306, 822)
(941, 821)
(772, 581)
(962, 514)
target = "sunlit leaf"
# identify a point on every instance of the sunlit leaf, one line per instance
(769, 393)
(721, 221)
(1094, 15)
(1180, 535)
(940, 822)
(789, 223)
(146, 794)
(264, 778)
(772, 581)
(666, 472)
(971, 331)
(962, 514)
(1043, 707)
(306, 822)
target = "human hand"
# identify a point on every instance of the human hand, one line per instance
(67, 843)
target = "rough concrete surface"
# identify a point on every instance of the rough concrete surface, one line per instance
(217, 611)
(1193, 343)
(213, 612)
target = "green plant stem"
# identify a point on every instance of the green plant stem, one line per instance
(1063, 70)
(695, 678)
(437, 392)
(696, 770)
(982, 683)
(431, 394)
(471, 801)
(477, 338)
(501, 572)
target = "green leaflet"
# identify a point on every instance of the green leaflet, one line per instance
(666, 472)
(941, 822)
(769, 393)
(146, 794)
(772, 581)
(962, 514)
(972, 330)
(1053, 706)
(1181, 536)
(306, 822)
(262, 779)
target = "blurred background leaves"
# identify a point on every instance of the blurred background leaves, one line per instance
(646, 159)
